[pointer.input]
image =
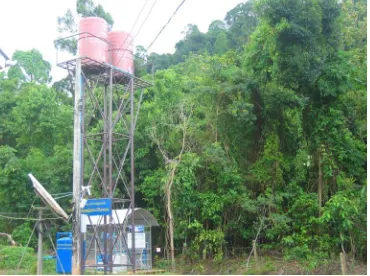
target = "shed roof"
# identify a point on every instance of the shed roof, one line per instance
(142, 217)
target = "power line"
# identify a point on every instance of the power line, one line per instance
(169, 20)
(58, 194)
(63, 196)
(138, 16)
(56, 252)
(27, 218)
(29, 212)
(160, 32)
(12, 213)
(133, 26)
(25, 249)
(150, 11)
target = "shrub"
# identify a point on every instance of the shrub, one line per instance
(11, 256)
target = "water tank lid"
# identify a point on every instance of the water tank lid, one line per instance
(92, 18)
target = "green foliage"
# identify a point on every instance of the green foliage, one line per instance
(271, 102)
(49, 267)
(260, 121)
(241, 21)
(10, 257)
(210, 241)
(22, 233)
(221, 43)
(87, 8)
(67, 24)
(36, 69)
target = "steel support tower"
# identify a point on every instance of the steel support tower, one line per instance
(107, 101)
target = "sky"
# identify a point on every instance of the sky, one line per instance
(26, 24)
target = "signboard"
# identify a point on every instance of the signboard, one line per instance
(97, 207)
(139, 240)
(138, 228)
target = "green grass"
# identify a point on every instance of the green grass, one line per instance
(49, 267)
(11, 256)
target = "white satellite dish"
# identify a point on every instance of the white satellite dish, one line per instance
(47, 198)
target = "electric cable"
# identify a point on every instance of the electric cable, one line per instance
(150, 11)
(137, 18)
(29, 219)
(28, 243)
(169, 20)
(56, 253)
(58, 194)
(160, 32)
(133, 26)
(33, 202)
(12, 213)
(165, 25)
(63, 196)
(142, 24)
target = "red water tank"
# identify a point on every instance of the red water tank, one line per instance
(93, 32)
(121, 50)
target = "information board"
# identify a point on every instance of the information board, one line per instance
(138, 228)
(139, 240)
(97, 207)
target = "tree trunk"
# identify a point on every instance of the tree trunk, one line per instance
(171, 232)
(216, 134)
(320, 183)
(255, 254)
(343, 263)
(168, 186)
(9, 237)
(170, 217)
(258, 130)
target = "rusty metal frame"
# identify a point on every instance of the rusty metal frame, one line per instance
(118, 96)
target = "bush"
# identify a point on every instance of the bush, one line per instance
(11, 256)
(22, 233)
(49, 267)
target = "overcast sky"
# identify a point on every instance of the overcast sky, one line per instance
(26, 24)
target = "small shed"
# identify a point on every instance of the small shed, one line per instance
(94, 226)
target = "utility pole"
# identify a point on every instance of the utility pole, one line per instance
(132, 131)
(77, 171)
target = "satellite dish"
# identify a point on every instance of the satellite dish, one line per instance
(47, 198)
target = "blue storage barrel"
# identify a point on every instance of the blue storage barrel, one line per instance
(64, 252)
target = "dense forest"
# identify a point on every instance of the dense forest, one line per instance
(256, 129)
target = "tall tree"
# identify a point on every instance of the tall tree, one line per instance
(30, 67)
(67, 24)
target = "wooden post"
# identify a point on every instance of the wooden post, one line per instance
(9, 237)
(39, 247)
(255, 254)
(343, 263)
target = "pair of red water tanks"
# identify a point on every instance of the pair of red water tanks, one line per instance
(115, 47)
